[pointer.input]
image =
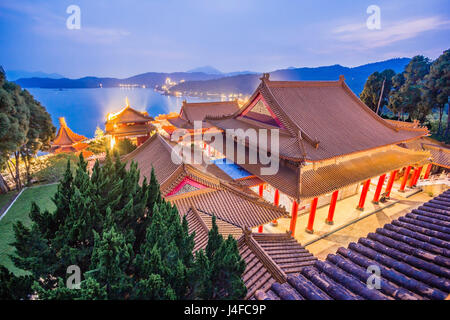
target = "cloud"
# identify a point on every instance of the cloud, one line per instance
(360, 35)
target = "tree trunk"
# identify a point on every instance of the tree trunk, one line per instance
(447, 130)
(26, 161)
(441, 112)
(4, 188)
(18, 181)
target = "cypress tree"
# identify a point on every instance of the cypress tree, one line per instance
(128, 242)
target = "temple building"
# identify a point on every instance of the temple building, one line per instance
(129, 123)
(191, 112)
(68, 141)
(331, 146)
(440, 154)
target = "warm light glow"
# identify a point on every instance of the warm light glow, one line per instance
(112, 142)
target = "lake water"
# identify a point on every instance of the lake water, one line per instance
(85, 109)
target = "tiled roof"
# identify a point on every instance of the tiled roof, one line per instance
(440, 153)
(155, 152)
(412, 254)
(128, 114)
(323, 120)
(325, 179)
(129, 130)
(270, 258)
(65, 136)
(201, 223)
(198, 111)
(230, 202)
(315, 181)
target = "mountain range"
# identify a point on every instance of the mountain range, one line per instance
(209, 80)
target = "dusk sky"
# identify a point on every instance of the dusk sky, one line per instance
(124, 38)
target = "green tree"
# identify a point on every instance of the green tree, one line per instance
(406, 93)
(375, 84)
(12, 287)
(124, 146)
(128, 242)
(220, 268)
(40, 132)
(25, 128)
(436, 86)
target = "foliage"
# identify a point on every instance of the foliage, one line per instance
(219, 268)
(124, 146)
(12, 287)
(406, 96)
(128, 242)
(421, 89)
(25, 128)
(19, 212)
(52, 168)
(436, 86)
(98, 145)
(373, 86)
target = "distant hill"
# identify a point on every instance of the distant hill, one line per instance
(206, 69)
(13, 75)
(246, 84)
(149, 79)
(201, 83)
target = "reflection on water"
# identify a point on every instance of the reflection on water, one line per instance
(85, 109)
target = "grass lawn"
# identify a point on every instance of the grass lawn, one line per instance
(5, 198)
(19, 211)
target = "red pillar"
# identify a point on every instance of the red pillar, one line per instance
(427, 172)
(376, 197)
(334, 196)
(294, 217)
(312, 215)
(405, 178)
(362, 199)
(419, 170)
(260, 229)
(390, 183)
(261, 190)
(276, 201)
(413, 177)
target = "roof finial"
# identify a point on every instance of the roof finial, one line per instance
(62, 122)
(126, 102)
(265, 76)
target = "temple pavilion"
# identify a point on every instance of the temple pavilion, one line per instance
(129, 123)
(68, 141)
(331, 146)
(200, 191)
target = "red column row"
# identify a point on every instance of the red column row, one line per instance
(364, 191)
(405, 179)
(276, 201)
(261, 193)
(427, 171)
(376, 197)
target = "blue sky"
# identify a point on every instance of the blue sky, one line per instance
(123, 38)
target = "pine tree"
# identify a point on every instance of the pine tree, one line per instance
(127, 241)
(224, 268)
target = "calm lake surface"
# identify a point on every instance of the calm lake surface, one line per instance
(85, 109)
